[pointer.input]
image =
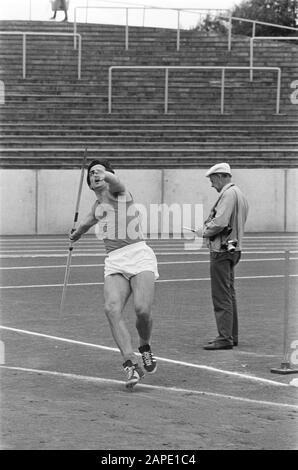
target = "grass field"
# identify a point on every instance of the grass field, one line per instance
(62, 383)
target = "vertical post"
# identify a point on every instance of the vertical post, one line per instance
(75, 29)
(253, 29)
(110, 91)
(166, 89)
(29, 10)
(80, 57)
(24, 55)
(285, 199)
(144, 11)
(178, 31)
(222, 98)
(162, 188)
(278, 91)
(251, 58)
(126, 30)
(86, 15)
(230, 33)
(285, 367)
(36, 202)
(285, 362)
(162, 198)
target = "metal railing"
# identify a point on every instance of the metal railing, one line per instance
(251, 55)
(126, 9)
(254, 23)
(167, 68)
(31, 33)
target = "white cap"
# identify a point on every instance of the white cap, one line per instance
(219, 168)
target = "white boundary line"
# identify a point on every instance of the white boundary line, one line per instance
(36, 246)
(100, 380)
(100, 246)
(171, 361)
(158, 253)
(78, 284)
(92, 238)
(96, 265)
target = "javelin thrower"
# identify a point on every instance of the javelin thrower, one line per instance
(70, 247)
(130, 267)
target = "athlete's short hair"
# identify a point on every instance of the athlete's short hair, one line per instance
(104, 163)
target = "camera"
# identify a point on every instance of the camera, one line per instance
(230, 245)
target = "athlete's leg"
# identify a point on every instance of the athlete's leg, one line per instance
(116, 292)
(142, 286)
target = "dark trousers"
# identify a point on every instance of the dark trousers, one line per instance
(224, 295)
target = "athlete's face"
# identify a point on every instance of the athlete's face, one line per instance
(97, 175)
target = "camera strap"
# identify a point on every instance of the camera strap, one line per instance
(213, 211)
(234, 215)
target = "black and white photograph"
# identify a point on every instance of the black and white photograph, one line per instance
(149, 229)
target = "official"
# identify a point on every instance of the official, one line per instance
(223, 231)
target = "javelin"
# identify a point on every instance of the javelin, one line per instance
(70, 247)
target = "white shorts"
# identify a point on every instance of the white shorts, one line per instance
(131, 260)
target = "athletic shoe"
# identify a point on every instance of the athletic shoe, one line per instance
(149, 361)
(134, 374)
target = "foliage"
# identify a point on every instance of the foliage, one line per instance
(281, 12)
(211, 23)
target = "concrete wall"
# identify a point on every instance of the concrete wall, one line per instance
(267, 190)
(17, 202)
(43, 201)
(292, 200)
(56, 201)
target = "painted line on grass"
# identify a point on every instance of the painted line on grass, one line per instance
(78, 284)
(170, 361)
(93, 246)
(250, 353)
(100, 380)
(92, 238)
(158, 253)
(99, 265)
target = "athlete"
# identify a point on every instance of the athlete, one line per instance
(130, 265)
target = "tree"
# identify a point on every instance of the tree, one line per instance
(281, 12)
(211, 23)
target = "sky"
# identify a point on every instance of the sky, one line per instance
(41, 10)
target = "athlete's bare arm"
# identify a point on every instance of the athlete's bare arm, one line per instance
(83, 227)
(115, 185)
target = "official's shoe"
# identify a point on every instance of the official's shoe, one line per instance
(149, 361)
(216, 345)
(134, 374)
(235, 342)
